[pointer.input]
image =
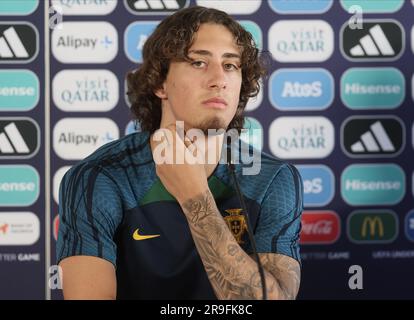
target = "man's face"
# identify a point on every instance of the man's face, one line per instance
(204, 93)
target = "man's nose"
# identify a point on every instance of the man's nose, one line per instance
(217, 77)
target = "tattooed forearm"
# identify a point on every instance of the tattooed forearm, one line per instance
(233, 273)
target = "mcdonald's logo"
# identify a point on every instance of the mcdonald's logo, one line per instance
(372, 223)
(372, 226)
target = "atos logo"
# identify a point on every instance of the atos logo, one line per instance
(135, 37)
(320, 227)
(301, 89)
(318, 185)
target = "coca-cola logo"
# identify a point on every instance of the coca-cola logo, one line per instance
(319, 227)
(56, 227)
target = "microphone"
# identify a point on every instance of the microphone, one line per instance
(231, 167)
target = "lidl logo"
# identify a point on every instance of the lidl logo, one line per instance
(19, 42)
(135, 37)
(85, 90)
(378, 40)
(22, 8)
(300, 6)
(301, 89)
(19, 185)
(19, 90)
(373, 6)
(254, 135)
(301, 137)
(85, 42)
(380, 136)
(232, 6)
(409, 225)
(155, 7)
(320, 227)
(318, 185)
(372, 88)
(301, 40)
(373, 184)
(372, 226)
(90, 8)
(255, 31)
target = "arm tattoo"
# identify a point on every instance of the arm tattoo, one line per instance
(232, 272)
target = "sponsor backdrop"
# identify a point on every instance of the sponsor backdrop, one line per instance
(338, 103)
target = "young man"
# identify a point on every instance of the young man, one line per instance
(134, 227)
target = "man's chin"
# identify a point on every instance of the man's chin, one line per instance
(212, 126)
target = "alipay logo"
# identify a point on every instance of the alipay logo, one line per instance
(372, 88)
(301, 137)
(301, 89)
(135, 36)
(90, 8)
(85, 42)
(301, 41)
(373, 184)
(19, 90)
(372, 226)
(19, 185)
(76, 138)
(300, 6)
(318, 185)
(85, 90)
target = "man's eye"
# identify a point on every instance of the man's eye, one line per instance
(230, 66)
(197, 63)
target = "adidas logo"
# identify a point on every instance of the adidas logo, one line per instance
(368, 142)
(156, 5)
(11, 45)
(160, 6)
(376, 41)
(18, 139)
(369, 43)
(18, 42)
(373, 137)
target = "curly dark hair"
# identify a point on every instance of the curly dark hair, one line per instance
(171, 41)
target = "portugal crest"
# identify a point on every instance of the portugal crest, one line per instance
(236, 223)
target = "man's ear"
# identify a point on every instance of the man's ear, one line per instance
(161, 92)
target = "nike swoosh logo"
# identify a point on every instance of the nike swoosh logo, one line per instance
(138, 237)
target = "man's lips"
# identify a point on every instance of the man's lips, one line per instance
(216, 103)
